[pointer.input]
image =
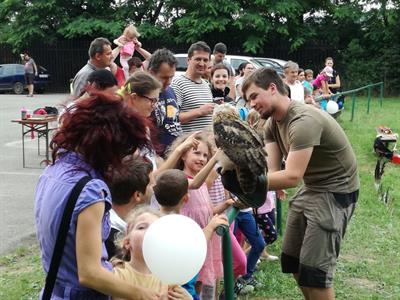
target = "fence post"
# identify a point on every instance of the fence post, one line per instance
(353, 105)
(229, 279)
(227, 264)
(381, 94)
(369, 99)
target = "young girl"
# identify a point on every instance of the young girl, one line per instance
(320, 85)
(133, 268)
(197, 164)
(128, 41)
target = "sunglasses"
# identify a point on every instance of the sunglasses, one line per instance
(153, 100)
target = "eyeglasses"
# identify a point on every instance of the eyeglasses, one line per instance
(153, 100)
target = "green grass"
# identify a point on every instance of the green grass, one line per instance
(21, 274)
(369, 263)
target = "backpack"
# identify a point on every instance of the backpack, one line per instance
(51, 110)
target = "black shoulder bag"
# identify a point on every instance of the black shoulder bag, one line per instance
(62, 236)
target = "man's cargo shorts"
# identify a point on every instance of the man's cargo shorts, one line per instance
(316, 224)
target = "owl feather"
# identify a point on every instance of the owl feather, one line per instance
(241, 144)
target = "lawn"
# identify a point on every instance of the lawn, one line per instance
(369, 263)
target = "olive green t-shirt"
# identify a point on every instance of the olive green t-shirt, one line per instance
(333, 165)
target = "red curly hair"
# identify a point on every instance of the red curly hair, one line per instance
(103, 129)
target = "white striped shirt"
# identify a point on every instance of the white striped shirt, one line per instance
(191, 95)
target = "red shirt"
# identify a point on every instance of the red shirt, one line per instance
(119, 75)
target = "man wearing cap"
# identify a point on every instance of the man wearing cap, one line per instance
(291, 70)
(317, 153)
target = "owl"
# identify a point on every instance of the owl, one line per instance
(243, 148)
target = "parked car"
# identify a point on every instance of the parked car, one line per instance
(12, 78)
(280, 62)
(182, 63)
(235, 61)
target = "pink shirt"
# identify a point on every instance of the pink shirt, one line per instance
(128, 49)
(217, 192)
(198, 207)
(318, 81)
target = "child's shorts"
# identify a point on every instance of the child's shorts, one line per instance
(316, 224)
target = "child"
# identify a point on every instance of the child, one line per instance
(172, 200)
(197, 163)
(309, 76)
(308, 99)
(320, 85)
(265, 217)
(133, 268)
(127, 41)
(218, 196)
(128, 189)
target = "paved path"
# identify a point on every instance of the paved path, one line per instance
(17, 184)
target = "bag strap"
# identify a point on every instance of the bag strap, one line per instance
(62, 236)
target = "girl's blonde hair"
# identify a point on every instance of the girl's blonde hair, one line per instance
(130, 223)
(136, 213)
(202, 136)
(131, 31)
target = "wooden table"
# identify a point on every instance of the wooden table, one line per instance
(41, 127)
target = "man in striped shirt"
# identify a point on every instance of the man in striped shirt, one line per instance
(192, 92)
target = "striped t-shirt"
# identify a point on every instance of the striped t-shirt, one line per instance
(191, 95)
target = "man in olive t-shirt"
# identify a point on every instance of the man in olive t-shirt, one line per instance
(317, 152)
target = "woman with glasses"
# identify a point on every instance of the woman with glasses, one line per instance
(141, 92)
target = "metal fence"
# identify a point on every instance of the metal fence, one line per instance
(64, 58)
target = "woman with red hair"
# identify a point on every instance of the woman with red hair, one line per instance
(92, 141)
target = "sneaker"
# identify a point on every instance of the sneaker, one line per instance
(254, 283)
(268, 257)
(272, 258)
(241, 287)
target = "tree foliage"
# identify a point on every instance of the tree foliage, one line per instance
(365, 33)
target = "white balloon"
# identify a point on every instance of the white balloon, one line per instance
(174, 249)
(332, 107)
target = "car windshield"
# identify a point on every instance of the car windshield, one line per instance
(256, 63)
(268, 63)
